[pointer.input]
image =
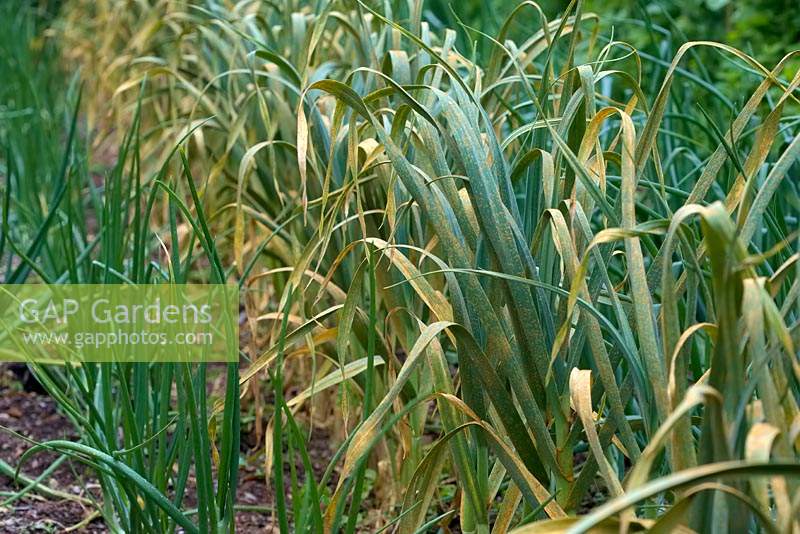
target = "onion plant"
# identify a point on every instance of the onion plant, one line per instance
(147, 430)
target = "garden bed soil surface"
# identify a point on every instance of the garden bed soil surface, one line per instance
(35, 416)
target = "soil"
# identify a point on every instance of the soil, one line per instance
(36, 416)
